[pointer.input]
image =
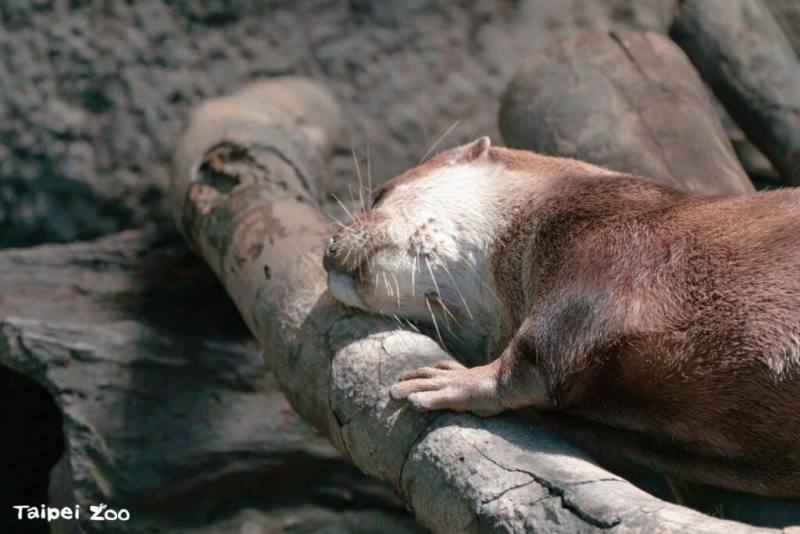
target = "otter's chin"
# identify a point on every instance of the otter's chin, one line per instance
(344, 288)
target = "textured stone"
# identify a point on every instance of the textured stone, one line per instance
(168, 410)
(94, 94)
(744, 56)
(787, 13)
(630, 101)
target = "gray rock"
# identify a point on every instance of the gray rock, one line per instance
(627, 100)
(93, 95)
(787, 13)
(185, 430)
(742, 53)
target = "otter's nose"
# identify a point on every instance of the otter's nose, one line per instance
(329, 257)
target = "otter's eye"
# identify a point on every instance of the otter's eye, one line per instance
(379, 194)
(377, 197)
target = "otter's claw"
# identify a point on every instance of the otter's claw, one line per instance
(451, 386)
(430, 372)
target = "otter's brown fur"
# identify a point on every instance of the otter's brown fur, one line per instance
(671, 318)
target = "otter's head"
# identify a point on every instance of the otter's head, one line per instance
(422, 250)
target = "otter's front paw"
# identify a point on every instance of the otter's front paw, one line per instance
(451, 386)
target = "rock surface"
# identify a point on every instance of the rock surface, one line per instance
(93, 95)
(744, 56)
(787, 13)
(168, 410)
(627, 100)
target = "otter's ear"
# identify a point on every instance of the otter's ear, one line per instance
(478, 148)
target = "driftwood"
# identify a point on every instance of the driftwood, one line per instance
(742, 53)
(242, 194)
(168, 410)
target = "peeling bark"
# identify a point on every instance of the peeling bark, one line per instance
(456, 472)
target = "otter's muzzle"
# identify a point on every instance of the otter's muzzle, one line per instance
(342, 285)
(329, 256)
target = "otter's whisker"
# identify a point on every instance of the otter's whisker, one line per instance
(356, 260)
(458, 290)
(483, 282)
(353, 196)
(439, 296)
(441, 138)
(369, 172)
(447, 322)
(433, 278)
(388, 287)
(335, 220)
(413, 276)
(413, 326)
(406, 345)
(368, 261)
(397, 287)
(435, 324)
(358, 174)
(350, 213)
(447, 313)
(398, 321)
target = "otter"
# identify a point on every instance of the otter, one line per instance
(600, 295)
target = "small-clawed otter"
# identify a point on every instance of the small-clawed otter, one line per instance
(672, 317)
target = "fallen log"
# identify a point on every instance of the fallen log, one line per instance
(167, 408)
(742, 53)
(243, 197)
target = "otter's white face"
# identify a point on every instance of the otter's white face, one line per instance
(423, 250)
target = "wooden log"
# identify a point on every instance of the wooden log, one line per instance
(168, 410)
(742, 53)
(626, 100)
(263, 235)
